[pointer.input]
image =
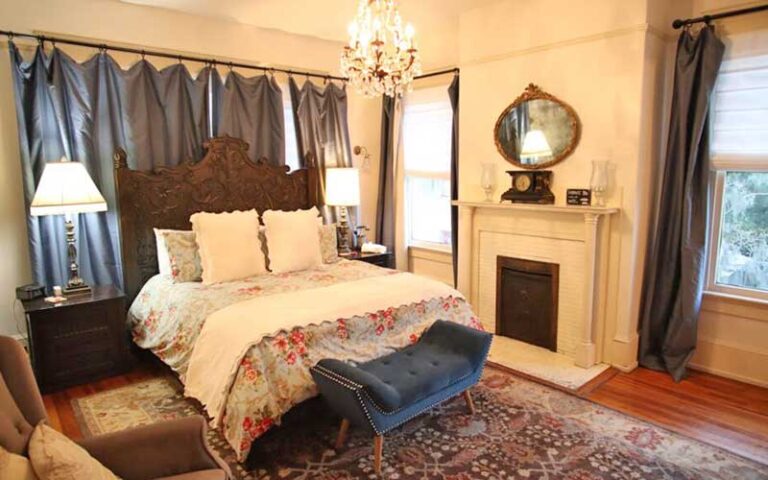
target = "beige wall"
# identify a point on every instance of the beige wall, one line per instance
(431, 263)
(118, 22)
(603, 58)
(612, 62)
(608, 59)
(733, 339)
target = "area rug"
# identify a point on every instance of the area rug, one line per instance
(521, 430)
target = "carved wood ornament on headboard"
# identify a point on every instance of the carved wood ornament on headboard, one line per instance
(224, 180)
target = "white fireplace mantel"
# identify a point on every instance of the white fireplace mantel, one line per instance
(585, 351)
(535, 207)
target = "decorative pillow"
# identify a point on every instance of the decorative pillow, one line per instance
(229, 245)
(56, 457)
(163, 262)
(293, 239)
(329, 243)
(183, 255)
(15, 466)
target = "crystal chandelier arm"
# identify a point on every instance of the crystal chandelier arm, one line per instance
(381, 57)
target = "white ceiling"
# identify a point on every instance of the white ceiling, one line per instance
(436, 21)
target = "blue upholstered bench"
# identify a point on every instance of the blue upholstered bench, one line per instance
(386, 392)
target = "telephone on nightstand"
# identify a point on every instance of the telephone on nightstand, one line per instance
(30, 292)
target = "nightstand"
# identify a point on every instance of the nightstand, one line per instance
(386, 260)
(80, 340)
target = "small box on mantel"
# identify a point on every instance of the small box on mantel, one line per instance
(579, 196)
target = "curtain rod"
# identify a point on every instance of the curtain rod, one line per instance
(708, 18)
(439, 72)
(154, 53)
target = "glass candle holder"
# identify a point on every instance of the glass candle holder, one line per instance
(488, 180)
(598, 181)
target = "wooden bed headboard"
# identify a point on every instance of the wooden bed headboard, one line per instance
(224, 180)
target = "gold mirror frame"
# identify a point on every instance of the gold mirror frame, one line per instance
(533, 92)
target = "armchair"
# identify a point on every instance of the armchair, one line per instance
(170, 450)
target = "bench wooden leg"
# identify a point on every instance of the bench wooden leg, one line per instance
(378, 448)
(470, 403)
(342, 437)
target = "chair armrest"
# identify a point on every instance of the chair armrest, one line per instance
(458, 338)
(158, 450)
(384, 395)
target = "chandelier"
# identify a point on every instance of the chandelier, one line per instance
(381, 57)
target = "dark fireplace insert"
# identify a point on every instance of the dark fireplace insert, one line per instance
(526, 300)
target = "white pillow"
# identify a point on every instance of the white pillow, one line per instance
(15, 466)
(230, 248)
(293, 240)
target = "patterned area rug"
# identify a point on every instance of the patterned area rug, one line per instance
(521, 430)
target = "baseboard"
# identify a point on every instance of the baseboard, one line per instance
(731, 362)
(728, 375)
(625, 368)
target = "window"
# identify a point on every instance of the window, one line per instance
(427, 130)
(738, 261)
(291, 144)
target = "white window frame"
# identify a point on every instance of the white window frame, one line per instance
(443, 247)
(720, 165)
(424, 174)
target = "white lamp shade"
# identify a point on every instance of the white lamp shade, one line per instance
(66, 187)
(535, 145)
(342, 187)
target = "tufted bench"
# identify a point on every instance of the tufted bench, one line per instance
(386, 392)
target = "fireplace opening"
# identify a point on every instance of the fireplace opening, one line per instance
(526, 301)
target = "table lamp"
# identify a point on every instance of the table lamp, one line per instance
(66, 188)
(342, 189)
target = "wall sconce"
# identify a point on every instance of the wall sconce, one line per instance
(365, 164)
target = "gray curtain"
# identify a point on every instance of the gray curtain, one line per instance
(453, 93)
(63, 109)
(84, 112)
(168, 112)
(675, 272)
(322, 131)
(385, 208)
(251, 108)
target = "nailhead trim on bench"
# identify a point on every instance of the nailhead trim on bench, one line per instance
(357, 388)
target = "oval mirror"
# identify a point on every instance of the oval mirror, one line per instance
(537, 130)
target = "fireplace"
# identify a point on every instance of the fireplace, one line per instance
(526, 300)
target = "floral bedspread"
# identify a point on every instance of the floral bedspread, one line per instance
(273, 377)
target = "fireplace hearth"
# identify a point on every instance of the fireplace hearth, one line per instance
(526, 300)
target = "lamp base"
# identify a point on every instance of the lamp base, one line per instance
(75, 285)
(82, 289)
(343, 238)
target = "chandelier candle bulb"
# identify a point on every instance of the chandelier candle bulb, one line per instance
(381, 58)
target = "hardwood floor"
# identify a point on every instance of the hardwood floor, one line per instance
(725, 413)
(722, 412)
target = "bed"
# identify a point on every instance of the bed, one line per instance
(272, 375)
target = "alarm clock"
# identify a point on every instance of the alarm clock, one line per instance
(530, 186)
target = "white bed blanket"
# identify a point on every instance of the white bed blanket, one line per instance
(228, 333)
